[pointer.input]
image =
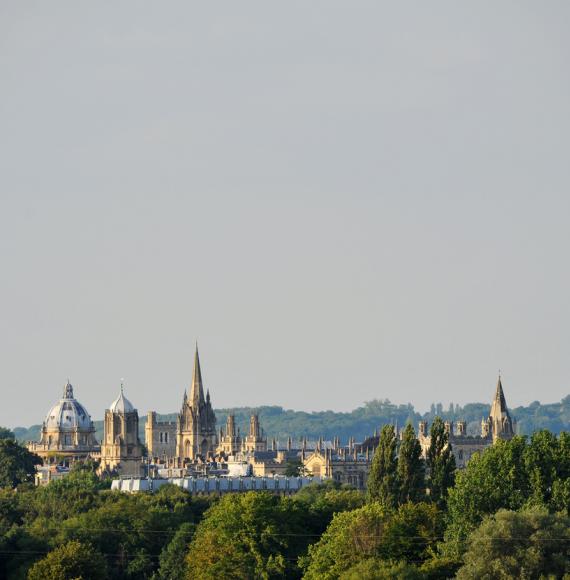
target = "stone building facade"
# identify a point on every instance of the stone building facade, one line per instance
(343, 465)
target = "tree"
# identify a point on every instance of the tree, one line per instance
(382, 480)
(71, 560)
(249, 535)
(509, 475)
(172, 557)
(17, 464)
(411, 468)
(6, 433)
(375, 569)
(547, 463)
(440, 463)
(527, 544)
(293, 467)
(373, 532)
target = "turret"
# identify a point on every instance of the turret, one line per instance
(423, 428)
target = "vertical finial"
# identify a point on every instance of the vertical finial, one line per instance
(122, 385)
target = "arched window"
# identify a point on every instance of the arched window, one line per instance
(161, 437)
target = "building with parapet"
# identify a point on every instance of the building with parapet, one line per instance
(160, 437)
(121, 449)
(67, 432)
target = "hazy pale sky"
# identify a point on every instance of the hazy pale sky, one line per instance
(340, 200)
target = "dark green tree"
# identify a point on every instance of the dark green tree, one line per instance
(527, 544)
(71, 560)
(6, 433)
(440, 463)
(407, 535)
(382, 480)
(173, 557)
(293, 467)
(376, 569)
(411, 468)
(509, 475)
(17, 464)
(547, 463)
(249, 535)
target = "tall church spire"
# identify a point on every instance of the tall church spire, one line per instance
(500, 419)
(499, 406)
(197, 389)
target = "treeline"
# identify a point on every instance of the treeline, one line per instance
(363, 421)
(505, 516)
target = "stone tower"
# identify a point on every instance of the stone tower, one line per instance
(502, 426)
(196, 423)
(254, 441)
(121, 448)
(230, 441)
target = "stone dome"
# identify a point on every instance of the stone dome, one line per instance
(68, 414)
(121, 404)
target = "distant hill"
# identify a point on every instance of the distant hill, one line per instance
(361, 422)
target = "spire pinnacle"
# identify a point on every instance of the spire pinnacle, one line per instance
(68, 390)
(197, 389)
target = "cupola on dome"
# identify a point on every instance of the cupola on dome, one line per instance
(121, 404)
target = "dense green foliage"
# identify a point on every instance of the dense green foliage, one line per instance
(411, 468)
(440, 463)
(70, 560)
(363, 421)
(373, 532)
(528, 544)
(6, 433)
(17, 464)
(506, 515)
(509, 475)
(382, 479)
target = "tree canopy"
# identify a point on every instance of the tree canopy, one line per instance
(527, 544)
(70, 560)
(17, 464)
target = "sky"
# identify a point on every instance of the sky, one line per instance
(339, 201)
